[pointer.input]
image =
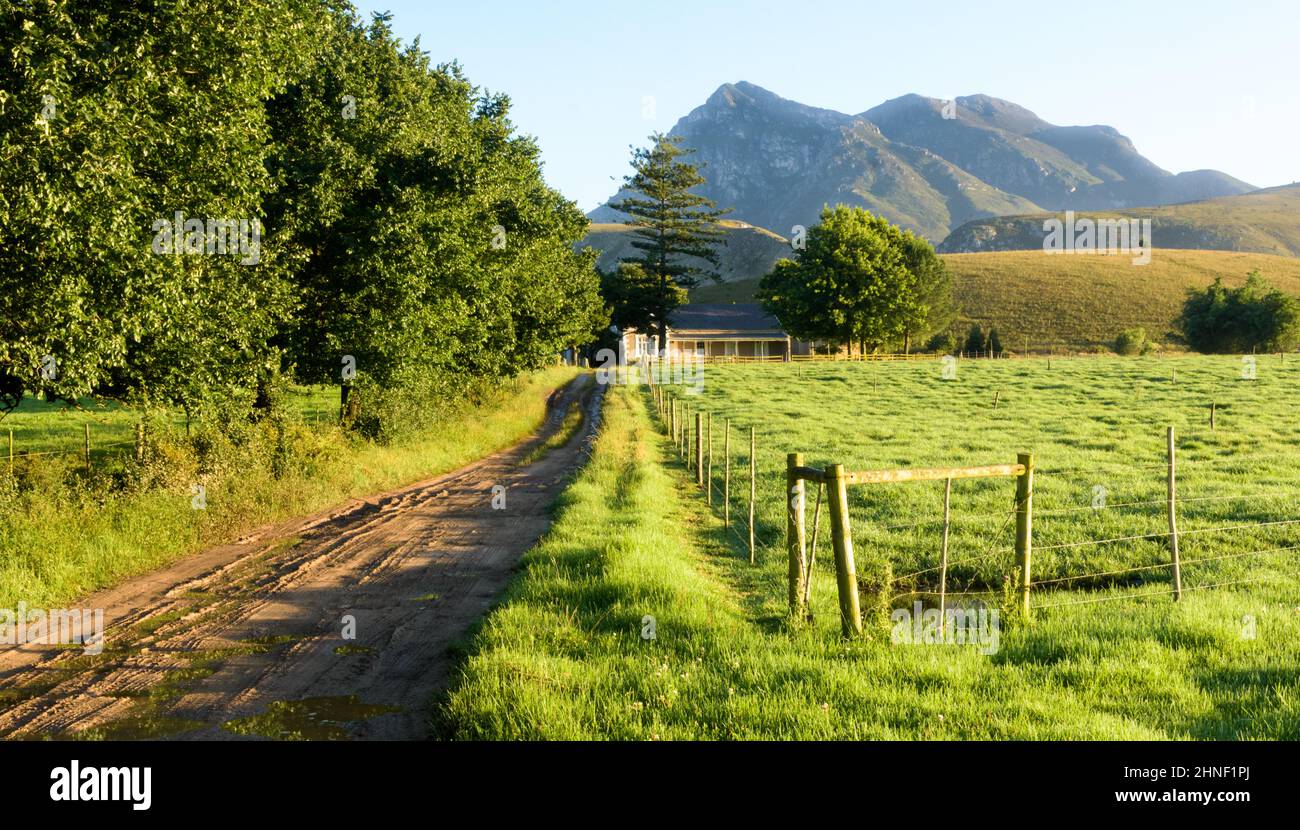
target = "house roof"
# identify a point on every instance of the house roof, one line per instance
(723, 319)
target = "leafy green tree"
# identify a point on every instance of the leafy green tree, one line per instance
(632, 296)
(672, 226)
(931, 307)
(1255, 316)
(389, 211)
(431, 249)
(975, 340)
(994, 344)
(849, 284)
(945, 342)
(114, 117)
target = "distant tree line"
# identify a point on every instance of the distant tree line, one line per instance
(395, 215)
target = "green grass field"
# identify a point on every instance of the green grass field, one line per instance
(39, 426)
(564, 656)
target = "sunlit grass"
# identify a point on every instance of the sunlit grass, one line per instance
(564, 656)
(58, 542)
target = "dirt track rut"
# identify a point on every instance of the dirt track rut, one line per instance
(247, 638)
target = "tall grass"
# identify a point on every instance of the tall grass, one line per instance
(63, 533)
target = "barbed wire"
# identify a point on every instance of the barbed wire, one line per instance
(740, 523)
(1159, 593)
(1162, 502)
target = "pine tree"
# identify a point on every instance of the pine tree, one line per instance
(671, 223)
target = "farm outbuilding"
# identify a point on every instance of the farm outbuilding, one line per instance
(718, 331)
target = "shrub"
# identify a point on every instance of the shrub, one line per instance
(1131, 341)
(994, 343)
(942, 343)
(975, 342)
(1254, 317)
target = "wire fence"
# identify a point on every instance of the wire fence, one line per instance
(87, 449)
(692, 432)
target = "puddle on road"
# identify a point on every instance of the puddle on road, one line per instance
(144, 720)
(136, 728)
(312, 719)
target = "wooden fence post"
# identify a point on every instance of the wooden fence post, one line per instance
(943, 551)
(726, 473)
(846, 575)
(681, 428)
(1025, 525)
(794, 532)
(708, 472)
(1213, 406)
(699, 449)
(88, 468)
(687, 443)
(753, 490)
(674, 406)
(11, 450)
(139, 441)
(812, 549)
(1173, 519)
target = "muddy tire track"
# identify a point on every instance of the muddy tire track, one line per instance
(247, 639)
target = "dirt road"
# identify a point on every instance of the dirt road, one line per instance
(249, 639)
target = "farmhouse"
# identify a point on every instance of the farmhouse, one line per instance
(716, 330)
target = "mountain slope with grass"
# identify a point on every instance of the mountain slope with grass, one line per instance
(748, 250)
(1264, 221)
(1075, 302)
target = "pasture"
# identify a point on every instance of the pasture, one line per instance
(1107, 653)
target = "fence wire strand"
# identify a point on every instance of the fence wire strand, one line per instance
(739, 525)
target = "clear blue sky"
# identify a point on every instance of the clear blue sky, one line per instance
(1194, 84)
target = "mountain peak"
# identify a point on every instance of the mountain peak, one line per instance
(1002, 114)
(752, 100)
(777, 162)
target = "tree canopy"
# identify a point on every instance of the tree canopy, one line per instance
(394, 213)
(1254, 316)
(674, 230)
(859, 280)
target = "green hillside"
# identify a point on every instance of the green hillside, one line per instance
(749, 250)
(1077, 301)
(1264, 221)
